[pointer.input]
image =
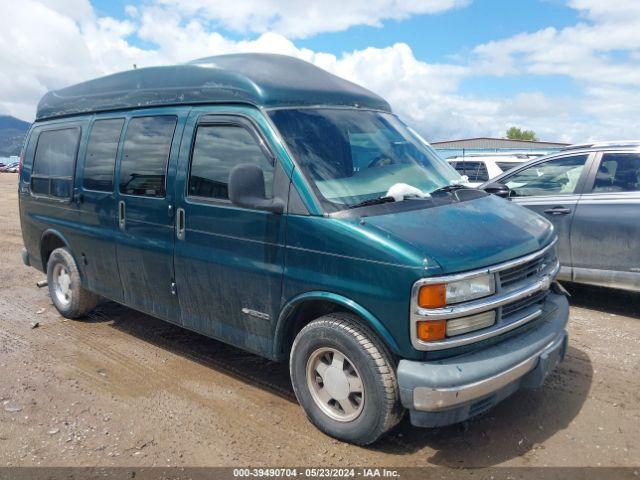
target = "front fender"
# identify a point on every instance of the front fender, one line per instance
(369, 319)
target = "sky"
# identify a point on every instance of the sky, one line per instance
(567, 69)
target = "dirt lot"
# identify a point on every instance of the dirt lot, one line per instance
(126, 389)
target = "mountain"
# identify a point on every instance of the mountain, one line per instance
(12, 132)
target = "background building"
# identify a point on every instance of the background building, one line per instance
(466, 146)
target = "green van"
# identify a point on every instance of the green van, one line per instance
(264, 202)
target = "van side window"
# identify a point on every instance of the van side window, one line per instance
(146, 150)
(219, 148)
(100, 159)
(54, 162)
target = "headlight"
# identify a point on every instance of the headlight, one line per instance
(438, 295)
(431, 330)
(459, 326)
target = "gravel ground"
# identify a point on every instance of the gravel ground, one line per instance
(125, 389)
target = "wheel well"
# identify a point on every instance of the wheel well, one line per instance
(301, 316)
(49, 243)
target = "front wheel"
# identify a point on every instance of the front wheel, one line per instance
(65, 288)
(344, 378)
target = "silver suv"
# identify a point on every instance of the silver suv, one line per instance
(591, 193)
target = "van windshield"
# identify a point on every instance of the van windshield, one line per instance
(351, 156)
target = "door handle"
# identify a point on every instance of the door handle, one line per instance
(557, 211)
(180, 224)
(122, 221)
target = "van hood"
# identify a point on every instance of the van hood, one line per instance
(468, 235)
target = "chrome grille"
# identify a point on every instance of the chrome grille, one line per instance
(522, 286)
(515, 307)
(521, 273)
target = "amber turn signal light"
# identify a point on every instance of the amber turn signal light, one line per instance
(430, 330)
(433, 296)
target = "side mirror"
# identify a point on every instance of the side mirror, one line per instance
(498, 189)
(246, 189)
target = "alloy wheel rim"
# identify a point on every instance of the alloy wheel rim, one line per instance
(335, 384)
(62, 284)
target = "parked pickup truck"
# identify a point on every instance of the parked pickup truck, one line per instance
(262, 201)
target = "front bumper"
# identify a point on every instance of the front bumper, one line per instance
(454, 389)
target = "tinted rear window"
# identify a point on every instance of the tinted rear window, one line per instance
(476, 171)
(146, 151)
(618, 172)
(100, 159)
(54, 162)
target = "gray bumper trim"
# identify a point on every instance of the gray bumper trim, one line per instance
(436, 399)
(455, 388)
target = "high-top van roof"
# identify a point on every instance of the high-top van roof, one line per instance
(263, 80)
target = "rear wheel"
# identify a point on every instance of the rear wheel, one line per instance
(344, 378)
(65, 288)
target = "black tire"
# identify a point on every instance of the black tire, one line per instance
(79, 301)
(373, 363)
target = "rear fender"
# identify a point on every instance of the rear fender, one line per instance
(44, 253)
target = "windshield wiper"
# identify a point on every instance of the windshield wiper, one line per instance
(449, 188)
(373, 201)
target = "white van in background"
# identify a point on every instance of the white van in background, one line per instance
(480, 167)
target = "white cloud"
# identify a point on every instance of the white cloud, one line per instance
(53, 43)
(78, 10)
(599, 54)
(585, 52)
(48, 45)
(296, 19)
(610, 10)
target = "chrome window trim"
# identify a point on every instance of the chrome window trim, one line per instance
(478, 306)
(599, 198)
(571, 199)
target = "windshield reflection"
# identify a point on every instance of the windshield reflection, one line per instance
(351, 156)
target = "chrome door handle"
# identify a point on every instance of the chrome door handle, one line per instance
(557, 211)
(122, 221)
(180, 224)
